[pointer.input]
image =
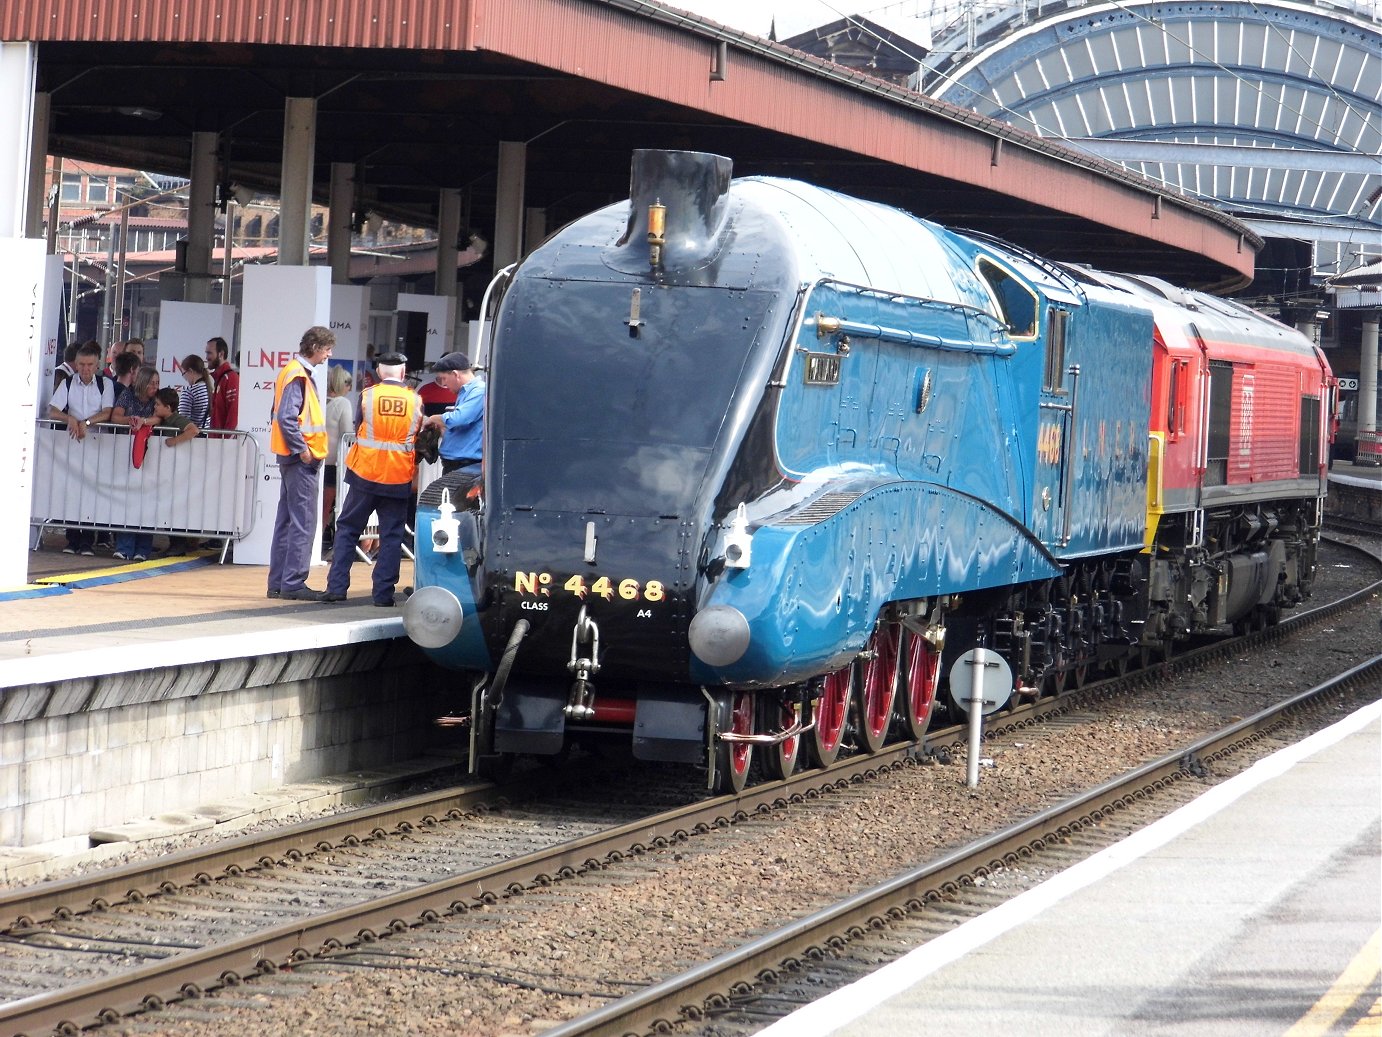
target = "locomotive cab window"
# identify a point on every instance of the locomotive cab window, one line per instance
(1016, 302)
(1175, 399)
(1309, 453)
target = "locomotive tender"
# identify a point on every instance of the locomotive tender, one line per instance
(762, 459)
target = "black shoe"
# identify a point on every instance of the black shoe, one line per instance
(328, 596)
(305, 594)
(384, 604)
(275, 594)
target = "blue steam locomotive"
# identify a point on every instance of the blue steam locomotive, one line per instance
(761, 459)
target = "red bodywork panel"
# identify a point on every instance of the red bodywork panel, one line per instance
(1266, 376)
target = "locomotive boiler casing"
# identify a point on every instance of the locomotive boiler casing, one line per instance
(865, 401)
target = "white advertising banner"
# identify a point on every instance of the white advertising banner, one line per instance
(280, 303)
(18, 76)
(186, 327)
(23, 283)
(350, 322)
(50, 327)
(441, 334)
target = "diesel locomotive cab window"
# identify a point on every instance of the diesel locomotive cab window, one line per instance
(1220, 413)
(1309, 435)
(1016, 303)
(1175, 400)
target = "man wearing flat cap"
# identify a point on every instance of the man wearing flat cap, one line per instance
(463, 424)
(379, 479)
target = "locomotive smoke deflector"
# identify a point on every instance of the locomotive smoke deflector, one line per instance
(678, 212)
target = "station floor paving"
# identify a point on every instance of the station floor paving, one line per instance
(1255, 910)
(1356, 472)
(99, 609)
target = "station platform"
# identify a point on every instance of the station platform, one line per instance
(138, 699)
(85, 616)
(1254, 910)
(1346, 473)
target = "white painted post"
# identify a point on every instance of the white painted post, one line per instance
(976, 717)
(18, 75)
(1367, 376)
(24, 300)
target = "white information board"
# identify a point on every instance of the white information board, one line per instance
(350, 322)
(280, 303)
(23, 301)
(185, 328)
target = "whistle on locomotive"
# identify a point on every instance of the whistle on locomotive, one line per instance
(657, 233)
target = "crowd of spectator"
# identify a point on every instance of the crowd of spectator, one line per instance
(126, 393)
(126, 396)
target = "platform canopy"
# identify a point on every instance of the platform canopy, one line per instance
(418, 97)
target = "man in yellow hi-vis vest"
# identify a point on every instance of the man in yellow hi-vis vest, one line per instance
(379, 479)
(297, 436)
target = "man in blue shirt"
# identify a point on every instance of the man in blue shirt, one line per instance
(463, 424)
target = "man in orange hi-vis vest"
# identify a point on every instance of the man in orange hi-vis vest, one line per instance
(297, 436)
(379, 479)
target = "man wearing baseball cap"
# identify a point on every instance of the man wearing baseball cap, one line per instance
(379, 474)
(463, 424)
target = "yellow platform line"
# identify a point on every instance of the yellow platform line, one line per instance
(1352, 984)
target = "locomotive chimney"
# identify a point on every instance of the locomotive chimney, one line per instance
(687, 193)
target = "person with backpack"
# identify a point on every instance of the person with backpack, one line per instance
(66, 370)
(81, 401)
(85, 398)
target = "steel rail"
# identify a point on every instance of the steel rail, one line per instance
(265, 951)
(687, 995)
(22, 907)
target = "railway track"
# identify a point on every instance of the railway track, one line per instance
(296, 858)
(1354, 526)
(756, 981)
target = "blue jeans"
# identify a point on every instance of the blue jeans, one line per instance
(131, 544)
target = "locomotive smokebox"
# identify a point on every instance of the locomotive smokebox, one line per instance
(693, 186)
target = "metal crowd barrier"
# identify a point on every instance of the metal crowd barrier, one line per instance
(427, 473)
(204, 488)
(1367, 448)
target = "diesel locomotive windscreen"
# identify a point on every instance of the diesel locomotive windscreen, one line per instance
(594, 390)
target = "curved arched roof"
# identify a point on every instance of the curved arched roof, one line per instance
(1190, 93)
